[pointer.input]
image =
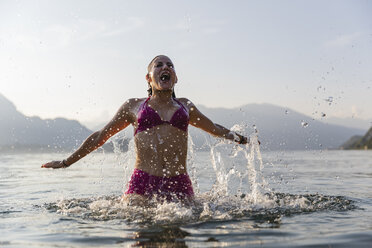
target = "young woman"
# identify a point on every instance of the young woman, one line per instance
(161, 131)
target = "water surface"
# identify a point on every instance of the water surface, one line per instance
(302, 199)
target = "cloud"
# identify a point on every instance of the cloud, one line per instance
(131, 24)
(182, 24)
(56, 36)
(185, 23)
(88, 29)
(343, 40)
(183, 45)
(211, 30)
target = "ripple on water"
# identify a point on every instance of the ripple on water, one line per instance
(207, 207)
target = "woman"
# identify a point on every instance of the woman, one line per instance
(161, 123)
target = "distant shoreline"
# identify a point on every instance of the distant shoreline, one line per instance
(36, 148)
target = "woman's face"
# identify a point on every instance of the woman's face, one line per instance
(162, 75)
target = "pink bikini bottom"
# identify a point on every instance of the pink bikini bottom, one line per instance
(143, 183)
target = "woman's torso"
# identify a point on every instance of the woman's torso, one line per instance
(161, 138)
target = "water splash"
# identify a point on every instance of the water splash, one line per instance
(205, 208)
(255, 167)
(191, 164)
(124, 159)
(240, 173)
(240, 191)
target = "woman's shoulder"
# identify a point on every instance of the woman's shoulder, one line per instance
(134, 101)
(186, 102)
(132, 104)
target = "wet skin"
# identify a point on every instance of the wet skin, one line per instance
(161, 150)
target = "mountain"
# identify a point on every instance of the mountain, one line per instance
(18, 131)
(349, 122)
(351, 141)
(359, 142)
(279, 128)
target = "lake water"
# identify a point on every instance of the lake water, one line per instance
(292, 199)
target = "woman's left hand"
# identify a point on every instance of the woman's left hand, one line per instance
(243, 140)
(54, 165)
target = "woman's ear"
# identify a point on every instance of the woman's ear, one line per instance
(148, 78)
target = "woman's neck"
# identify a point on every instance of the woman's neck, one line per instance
(163, 96)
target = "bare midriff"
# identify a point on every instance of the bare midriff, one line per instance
(162, 151)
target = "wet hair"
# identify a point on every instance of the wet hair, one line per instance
(149, 90)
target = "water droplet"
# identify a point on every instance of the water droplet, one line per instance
(329, 100)
(304, 124)
(286, 112)
(323, 114)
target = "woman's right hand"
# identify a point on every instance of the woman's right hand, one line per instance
(54, 165)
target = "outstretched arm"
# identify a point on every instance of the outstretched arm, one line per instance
(121, 120)
(197, 119)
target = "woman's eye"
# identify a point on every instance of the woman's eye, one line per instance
(159, 65)
(170, 66)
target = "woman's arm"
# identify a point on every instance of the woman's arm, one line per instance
(197, 119)
(122, 119)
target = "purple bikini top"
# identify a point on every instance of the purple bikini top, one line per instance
(148, 118)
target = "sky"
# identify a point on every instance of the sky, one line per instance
(82, 59)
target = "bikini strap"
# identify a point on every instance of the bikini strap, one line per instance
(179, 103)
(144, 103)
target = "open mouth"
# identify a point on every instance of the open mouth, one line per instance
(165, 77)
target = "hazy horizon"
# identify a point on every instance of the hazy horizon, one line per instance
(347, 122)
(82, 61)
